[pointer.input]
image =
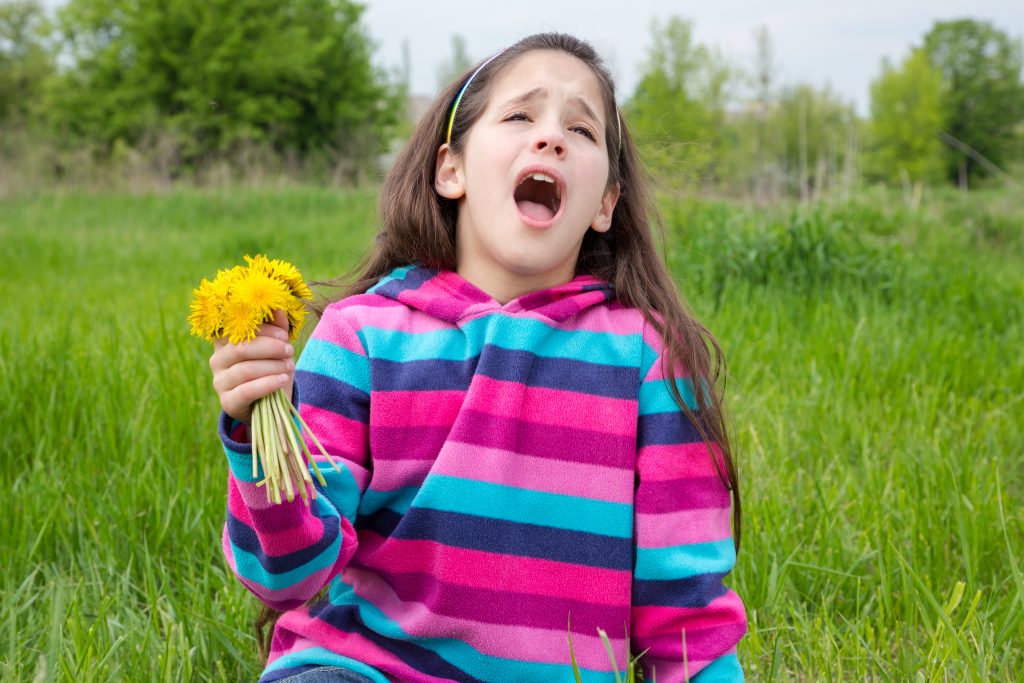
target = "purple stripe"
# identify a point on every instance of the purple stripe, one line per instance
(694, 493)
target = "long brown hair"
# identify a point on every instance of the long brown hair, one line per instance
(418, 226)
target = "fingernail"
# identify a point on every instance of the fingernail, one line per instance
(282, 378)
(289, 350)
(289, 365)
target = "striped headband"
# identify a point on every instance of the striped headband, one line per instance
(458, 99)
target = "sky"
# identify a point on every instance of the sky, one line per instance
(840, 43)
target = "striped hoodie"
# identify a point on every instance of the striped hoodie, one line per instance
(512, 475)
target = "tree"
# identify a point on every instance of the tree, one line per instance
(906, 118)
(981, 70)
(25, 60)
(678, 109)
(215, 74)
(815, 128)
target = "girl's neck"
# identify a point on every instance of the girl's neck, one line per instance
(502, 288)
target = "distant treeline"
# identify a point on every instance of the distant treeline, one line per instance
(211, 89)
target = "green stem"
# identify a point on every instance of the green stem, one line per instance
(313, 436)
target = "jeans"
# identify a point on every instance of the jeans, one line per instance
(327, 674)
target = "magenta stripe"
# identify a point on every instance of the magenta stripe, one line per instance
(516, 400)
(517, 643)
(415, 408)
(677, 461)
(501, 607)
(722, 611)
(681, 494)
(476, 568)
(561, 443)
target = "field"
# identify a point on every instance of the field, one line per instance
(876, 398)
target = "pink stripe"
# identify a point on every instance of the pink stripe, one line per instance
(343, 438)
(400, 473)
(397, 317)
(517, 643)
(535, 473)
(290, 517)
(334, 329)
(721, 613)
(477, 568)
(683, 527)
(319, 633)
(415, 408)
(677, 461)
(551, 406)
(621, 321)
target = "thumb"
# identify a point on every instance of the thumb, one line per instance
(281, 319)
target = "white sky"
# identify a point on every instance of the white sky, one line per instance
(828, 41)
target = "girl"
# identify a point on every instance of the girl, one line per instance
(509, 382)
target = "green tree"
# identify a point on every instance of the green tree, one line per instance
(213, 75)
(817, 137)
(981, 69)
(26, 61)
(677, 111)
(906, 118)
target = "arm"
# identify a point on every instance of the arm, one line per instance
(285, 553)
(683, 540)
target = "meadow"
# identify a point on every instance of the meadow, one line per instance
(875, 393)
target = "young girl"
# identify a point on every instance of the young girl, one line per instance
(530, 423)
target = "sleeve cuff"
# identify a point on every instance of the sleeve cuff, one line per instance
(237, 446)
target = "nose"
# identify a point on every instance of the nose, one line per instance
(550, 138)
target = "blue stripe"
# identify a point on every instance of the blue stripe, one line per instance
(510, 366)
(398, 500)
(497, 501)
(696, 591)
(507, 332)
(249, 568)
(685, 561)
(446, 658)
(499, 536)
(295, 662)
(331, 360)
(666, 428)
(399, 280)
(334, 395)
(725, 669)
(655, 396)
(244, 538)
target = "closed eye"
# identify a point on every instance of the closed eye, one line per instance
(523, 116)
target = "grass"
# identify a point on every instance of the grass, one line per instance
(876, 397)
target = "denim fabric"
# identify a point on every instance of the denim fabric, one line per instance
(327, 674)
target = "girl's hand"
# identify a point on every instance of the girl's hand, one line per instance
(245, 372)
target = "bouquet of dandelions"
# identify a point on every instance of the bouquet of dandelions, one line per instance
(234, 306)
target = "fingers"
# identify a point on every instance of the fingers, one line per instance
(247, 371)
(281, 321)
(263, 347)
(238, 401)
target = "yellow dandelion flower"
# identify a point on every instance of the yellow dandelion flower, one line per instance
(290, 275)
(262, 292)
(241, 320)
(259, 263)
(206, 311)
(296, 317)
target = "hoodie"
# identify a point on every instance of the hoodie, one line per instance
(512, 477)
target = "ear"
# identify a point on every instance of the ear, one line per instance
(603, 220)
(448, 177)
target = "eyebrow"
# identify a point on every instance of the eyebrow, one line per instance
(525, 97)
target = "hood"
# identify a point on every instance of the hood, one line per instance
(445, 295)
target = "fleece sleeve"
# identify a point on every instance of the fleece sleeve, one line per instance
(284, 553)
(683, 538)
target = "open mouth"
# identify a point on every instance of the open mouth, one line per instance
(538, 197)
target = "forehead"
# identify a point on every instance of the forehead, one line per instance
(562, 76)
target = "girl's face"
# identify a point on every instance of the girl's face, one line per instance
(532, 177)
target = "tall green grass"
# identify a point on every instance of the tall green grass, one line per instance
(876, 396)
